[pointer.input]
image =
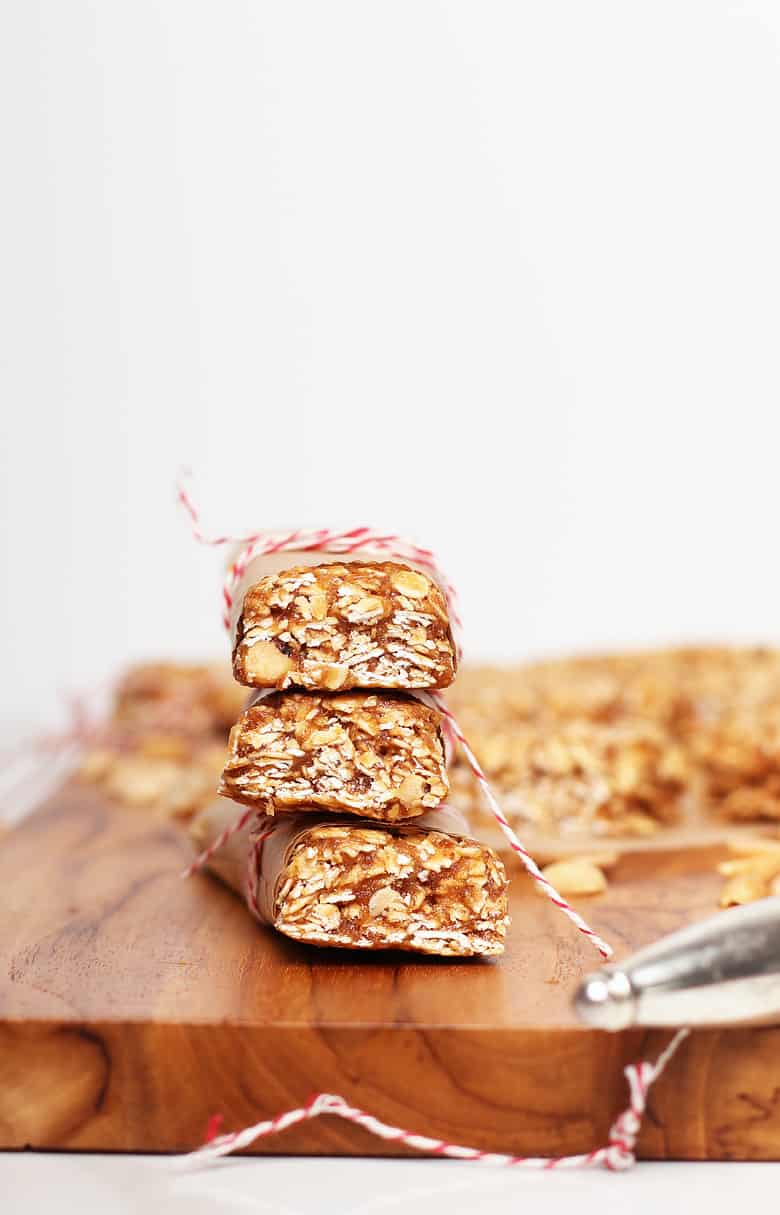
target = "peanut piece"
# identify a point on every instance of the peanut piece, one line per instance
(411, 790)
(744, 888)
(384, 901)
(408, 583)
(333, 677)
(267, 663)
(576, 876)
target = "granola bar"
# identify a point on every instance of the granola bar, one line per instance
(337, 626)
(377, 754)
(336, 882)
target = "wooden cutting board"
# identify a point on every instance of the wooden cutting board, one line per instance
(134, 1005)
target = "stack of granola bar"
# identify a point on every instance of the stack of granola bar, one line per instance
(345, 766)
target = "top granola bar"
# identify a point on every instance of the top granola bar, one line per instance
(338, 626)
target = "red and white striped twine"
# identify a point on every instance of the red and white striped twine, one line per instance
(205, 856)
(254, 859)
(254, 865)
(346, 542)
(360, 539)
(526, 859)
(617, 1154)
(34, 765)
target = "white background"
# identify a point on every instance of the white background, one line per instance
(505, 276)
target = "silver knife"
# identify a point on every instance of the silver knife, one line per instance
(723, 971)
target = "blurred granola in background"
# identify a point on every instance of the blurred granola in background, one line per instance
(618, 745)
(579, 776)
(165, 743)
(624, 745)
(178, 699)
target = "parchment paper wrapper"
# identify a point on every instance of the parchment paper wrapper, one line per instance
(424, 886)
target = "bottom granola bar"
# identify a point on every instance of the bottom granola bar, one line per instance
(337, 882)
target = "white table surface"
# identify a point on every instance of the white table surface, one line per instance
(39, 1184)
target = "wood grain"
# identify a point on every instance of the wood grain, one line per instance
(133, 1005)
